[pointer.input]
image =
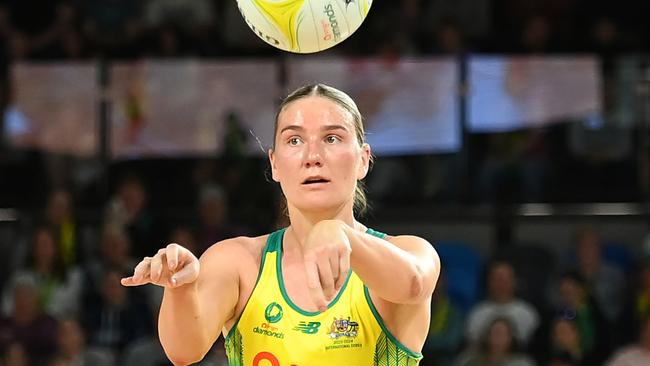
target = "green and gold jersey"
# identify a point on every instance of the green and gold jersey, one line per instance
(273, 331)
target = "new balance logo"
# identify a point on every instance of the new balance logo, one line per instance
(307, 328)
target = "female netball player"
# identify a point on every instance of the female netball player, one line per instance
(326, 290)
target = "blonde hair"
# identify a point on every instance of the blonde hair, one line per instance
(361, 204)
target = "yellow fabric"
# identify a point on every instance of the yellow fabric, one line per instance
(274, 331)
(67, 242)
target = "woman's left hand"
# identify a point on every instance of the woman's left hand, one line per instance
(327, 260)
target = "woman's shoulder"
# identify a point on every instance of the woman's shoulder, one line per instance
(238, 248)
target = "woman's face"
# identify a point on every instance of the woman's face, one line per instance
(317, 158)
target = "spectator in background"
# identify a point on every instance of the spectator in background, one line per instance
(114, 254)
(502, 303)
(605, 282)
(473, 17)
(28, 325)
(446, 328)
(579, 308)
(15, 355)
(72, 349)
(112, 26)
(498, 346)
(445, 37)
(188, 15)
(214, 218)
(637, 354)
(193, 21)
(536, 35)
(565, 341)
(59, 216)
(119, 318)
(605, 38)
(59, 290)
(638, 304)
(516, 164)
(128, 210)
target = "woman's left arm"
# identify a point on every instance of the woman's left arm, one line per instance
(402, 270)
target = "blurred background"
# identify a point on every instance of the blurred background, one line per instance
(514, 135)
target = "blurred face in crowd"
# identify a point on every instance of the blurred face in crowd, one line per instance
(501, 282)
(26, 305)
(70, 338)
(588, 249)
(113, 292)
(58, 207)
(317, 156)
(565, 335)
(499, 339)
(572, 293)
(44, 249)
(115, 247)
(133, 196)
(536, 34)
(213, 211)
(15, 355)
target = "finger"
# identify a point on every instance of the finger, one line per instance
(314, 284)
(129, 281)
(157, 266)
(185, 275)
(141, 271)
(326, 277)
(334, 267)
(171, 253)
(344, 269)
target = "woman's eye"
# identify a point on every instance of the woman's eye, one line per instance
(294, 141)
(332, 139)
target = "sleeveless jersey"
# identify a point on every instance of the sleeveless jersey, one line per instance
(273, 331)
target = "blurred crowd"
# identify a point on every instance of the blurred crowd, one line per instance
(73, 29)
(62, 303)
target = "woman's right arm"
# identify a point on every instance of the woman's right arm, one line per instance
(200, 296)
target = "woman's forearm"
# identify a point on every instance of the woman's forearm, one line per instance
(180, 325)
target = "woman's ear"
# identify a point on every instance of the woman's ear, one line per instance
(364, 165)
(274, 172)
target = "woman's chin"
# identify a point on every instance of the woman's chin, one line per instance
(319, 205)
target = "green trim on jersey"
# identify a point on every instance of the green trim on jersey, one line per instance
(400, 347)
(284, 290)
(234, 349)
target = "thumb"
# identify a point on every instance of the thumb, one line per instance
(187, 274)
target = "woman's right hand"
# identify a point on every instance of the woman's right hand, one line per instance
(173, 266)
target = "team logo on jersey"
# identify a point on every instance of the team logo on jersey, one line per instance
(268, 330)
(343, 328)
(307, 328)
(273, 312)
